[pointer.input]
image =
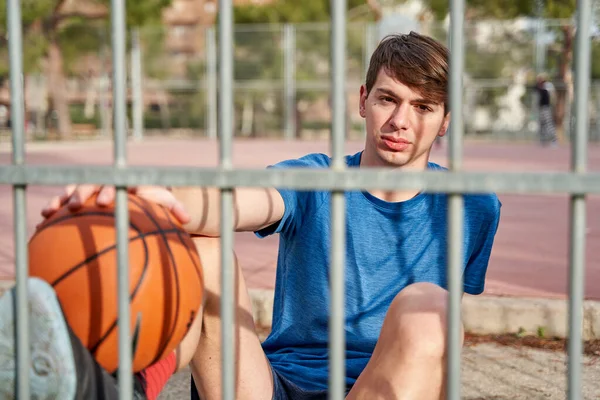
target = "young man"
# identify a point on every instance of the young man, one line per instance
(396, 301)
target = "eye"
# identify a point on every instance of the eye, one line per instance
(387, 99)
(424, 108)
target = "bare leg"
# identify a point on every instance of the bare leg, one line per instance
(252, 369)
(409, 358)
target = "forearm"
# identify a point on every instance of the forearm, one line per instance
(204, 208)
(254, 208)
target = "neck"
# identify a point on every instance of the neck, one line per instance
(372, 161)
(394, 196)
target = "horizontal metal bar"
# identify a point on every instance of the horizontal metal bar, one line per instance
(308, 179)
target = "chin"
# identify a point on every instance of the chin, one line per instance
(394, 159)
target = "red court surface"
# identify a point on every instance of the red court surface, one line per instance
(530, 256)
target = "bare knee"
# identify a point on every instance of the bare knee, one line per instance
(417, 316)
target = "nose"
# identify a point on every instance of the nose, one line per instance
(400, 118)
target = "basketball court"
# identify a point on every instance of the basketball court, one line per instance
(530, 255)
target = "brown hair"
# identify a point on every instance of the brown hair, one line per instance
(417, 61)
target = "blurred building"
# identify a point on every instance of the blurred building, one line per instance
(186, 22)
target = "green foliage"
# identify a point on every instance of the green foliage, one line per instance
(287, 11)
(139, 13)
(34, 45)
(596, 59)
(560, 8)
(146, 12)
(31, 10)
(77, 35)
(154, 61)
(541, 332)
(91, 36)
(506, 9)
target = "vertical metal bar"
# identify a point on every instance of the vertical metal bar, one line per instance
(211, 83)
(121, 211)
(539, 57)
(457, 8)
(289, 74)
(540, 25)
(576, 286)
(578, 209)
(125, 352)
(455, 262)
(17, 101)
(225, 141)
(136, 83)
(337, 338)
(455, 201)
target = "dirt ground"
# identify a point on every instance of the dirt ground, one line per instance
(497, 367)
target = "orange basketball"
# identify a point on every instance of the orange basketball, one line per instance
(76, 253)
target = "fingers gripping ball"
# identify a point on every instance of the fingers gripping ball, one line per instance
(76, 253)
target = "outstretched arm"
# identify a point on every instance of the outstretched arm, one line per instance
(199, 209)
(254, 208)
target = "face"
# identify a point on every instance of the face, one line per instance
(401, 124)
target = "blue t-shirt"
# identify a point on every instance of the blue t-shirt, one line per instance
(389, 246)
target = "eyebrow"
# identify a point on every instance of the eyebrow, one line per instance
(419, 101)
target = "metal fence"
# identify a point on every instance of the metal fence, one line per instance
(578, 184)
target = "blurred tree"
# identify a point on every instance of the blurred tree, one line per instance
(596, 59)
(507, 9)
(65, 31)
(258, 56)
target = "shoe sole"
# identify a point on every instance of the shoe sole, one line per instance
(52, 373)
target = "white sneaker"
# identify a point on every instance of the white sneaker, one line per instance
(52, 373)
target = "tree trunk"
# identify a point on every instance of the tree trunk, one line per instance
(299, 118)
(375, 8)
(57, 87)
(565, 81)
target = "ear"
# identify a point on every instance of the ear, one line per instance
(363, 101)
(445, 125)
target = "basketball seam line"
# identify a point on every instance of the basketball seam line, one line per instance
(106, 250)
(196, 266)
(176, 276)
(72, 215)
(131, 295)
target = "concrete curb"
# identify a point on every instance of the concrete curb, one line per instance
(481, 314)
(489, 315)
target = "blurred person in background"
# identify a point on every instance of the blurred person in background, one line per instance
(547, 128)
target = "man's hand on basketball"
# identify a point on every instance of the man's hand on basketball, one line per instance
(75, 196)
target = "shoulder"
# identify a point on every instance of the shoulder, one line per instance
(486, 205)
(313, 160)
(435, 167)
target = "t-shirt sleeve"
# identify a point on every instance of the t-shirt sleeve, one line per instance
(292, 200)
(475, 271)
(295, 201)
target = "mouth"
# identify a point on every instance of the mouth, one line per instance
(395, 143)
